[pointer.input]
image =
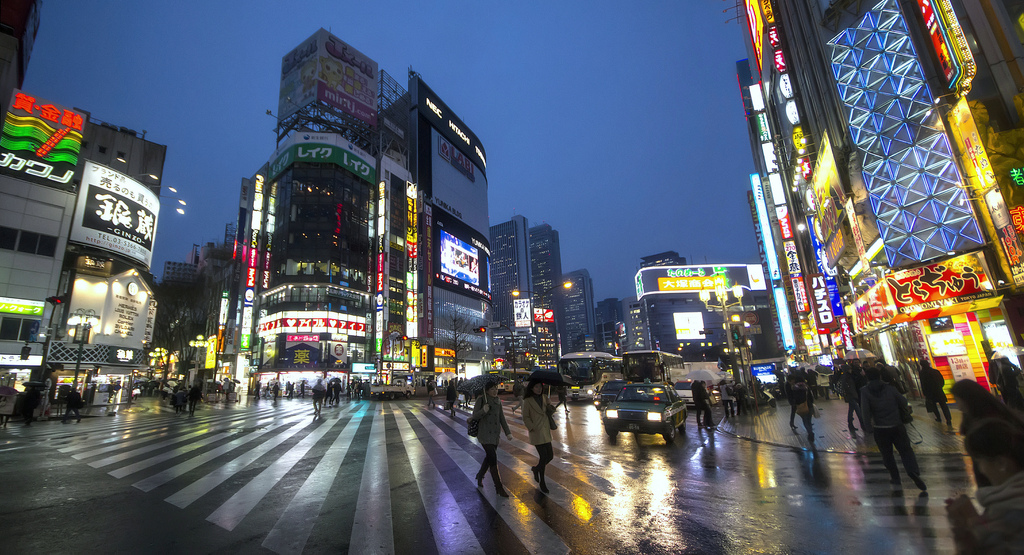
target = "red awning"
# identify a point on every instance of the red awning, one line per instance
(958, 308)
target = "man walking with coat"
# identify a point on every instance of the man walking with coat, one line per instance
(932, 385)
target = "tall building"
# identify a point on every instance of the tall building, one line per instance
(667, 258)
(578, 332)
(608, 310)
(510, 269)
(546, 263)
(635, 319)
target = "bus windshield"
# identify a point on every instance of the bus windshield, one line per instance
(589, 368)
(643, 366)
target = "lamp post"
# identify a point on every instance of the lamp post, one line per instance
(722, 304)
(541, 296)
(83, 319)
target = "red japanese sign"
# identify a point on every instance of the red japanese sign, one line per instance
(957, 280)
(41, 141)
(800, 294)
(873, 308)
(821, 299)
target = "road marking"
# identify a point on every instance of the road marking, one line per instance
(372, 530)
(292, 530)
(452, 531)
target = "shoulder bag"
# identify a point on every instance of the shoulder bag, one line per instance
(474, 427)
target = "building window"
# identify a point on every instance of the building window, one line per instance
(102, 149)
(8, 238)
(17, 329)
(27, 242)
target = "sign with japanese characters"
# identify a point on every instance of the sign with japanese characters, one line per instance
(692, 279)
(873, 308)
(41, 141)
(323, 148)
(115, 213)
(957, 280)
(301, 354)
(821, 298)
(800, 295)
(521, 311)
(23, 307)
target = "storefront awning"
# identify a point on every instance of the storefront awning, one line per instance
(958, 308)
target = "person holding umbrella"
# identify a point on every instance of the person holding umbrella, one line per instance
(536, 416)
(491, 419)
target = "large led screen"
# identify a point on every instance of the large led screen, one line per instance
(463, 257)
(459, 259)
(689, 325)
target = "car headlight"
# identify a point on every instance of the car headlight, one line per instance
(655, 416)
(611, 413)
(590, 392)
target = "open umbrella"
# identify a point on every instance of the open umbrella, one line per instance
(479, 384)
(703, 375)
(7, 390)
(33, 384)
(446, 375)
(548, 377)
(859, 354)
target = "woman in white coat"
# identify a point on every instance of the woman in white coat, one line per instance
(536, 410)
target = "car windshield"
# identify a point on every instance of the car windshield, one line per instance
(612, 387)
(645, 394)
(684, 385)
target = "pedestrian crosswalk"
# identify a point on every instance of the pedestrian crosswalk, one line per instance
(387, 477)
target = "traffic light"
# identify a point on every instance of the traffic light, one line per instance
(55, 300)
(26, 351)
(481, 329)
(735, 331)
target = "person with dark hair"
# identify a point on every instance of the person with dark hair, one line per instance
(787, 388)
(996, 448)
(976, 404)
(800, 394)
(881, 404)
(487, 412)
(932, 386)
(536, 417)
(194, 396)
(1006, 374)
(850, 391)
(702, 403)
(451, 395)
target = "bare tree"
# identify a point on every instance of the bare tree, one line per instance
(457, 330)
(182, 313)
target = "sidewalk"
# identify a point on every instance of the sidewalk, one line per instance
(831, 434)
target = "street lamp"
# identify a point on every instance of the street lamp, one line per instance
(722, 304)
(83, 319)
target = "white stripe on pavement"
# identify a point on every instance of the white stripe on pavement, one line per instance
(452, 532)
(146, 463)
(292, 530)
(228, 515)
(372, 530)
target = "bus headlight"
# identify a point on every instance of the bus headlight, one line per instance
(590, 392)
(611, 413)
(654, 416)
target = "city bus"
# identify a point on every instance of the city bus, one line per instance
(657, 366)
(589, 371)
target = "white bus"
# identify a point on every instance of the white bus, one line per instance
(657, 366)
(589, 370)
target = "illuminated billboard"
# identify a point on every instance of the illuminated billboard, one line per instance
(913, 184)
(462, 255)
(323, 148)
(693, 279)
(521, 313)
(324, 68)
(115, 213)
(41, 141)
(689, 325)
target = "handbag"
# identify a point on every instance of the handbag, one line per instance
(906, 413)
(803, 409)
(551, 422)
(474, 427)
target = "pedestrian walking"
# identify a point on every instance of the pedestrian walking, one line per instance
(996, 448)
(802, 397)
(850, 392)
(180, 398)
(882, 406)
(563, 399)
(194, 396)
(256, 390)
(337, 391)
(275, 390)
(430, 395)
(289, 389)
(302, 389)
(977, 404)
(933, 388)
(491, 421)
(702, 403)
(517, 390)
(29, 404)
(728, 401)
(451, 396)
(787, 388)
(1008, 378)
(73, 402)
(740, 392)
(537, 411)
(319, 391)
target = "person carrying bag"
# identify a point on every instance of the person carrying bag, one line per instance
(537, 413)
(489, 422)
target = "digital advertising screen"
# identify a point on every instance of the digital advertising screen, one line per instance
(689, 325)
(459, 259)
(463, 257)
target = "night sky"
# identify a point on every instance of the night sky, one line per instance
(619, 124)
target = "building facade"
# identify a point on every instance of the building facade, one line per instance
(578, 333)
(546, 263)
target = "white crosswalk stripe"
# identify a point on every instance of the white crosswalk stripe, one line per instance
(372, 532)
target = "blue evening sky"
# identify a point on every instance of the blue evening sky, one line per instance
(618, 123)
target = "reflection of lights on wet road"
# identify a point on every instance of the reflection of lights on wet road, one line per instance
(765, 471)
(582, 508)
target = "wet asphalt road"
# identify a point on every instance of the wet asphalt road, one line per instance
(396, 477)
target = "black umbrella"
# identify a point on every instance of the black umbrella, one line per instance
(479, 384)
(33, 384)
(547, 377)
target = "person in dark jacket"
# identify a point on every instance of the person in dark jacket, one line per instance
(881, 404)
(802, 393)
(1006, 378)
(850, 390)
(451, 396)
(787, 389)
(977, 404)
(932, 386)
(28, 405)
(194, 396)
(702, 403)
(491, 418)
(74, 403)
